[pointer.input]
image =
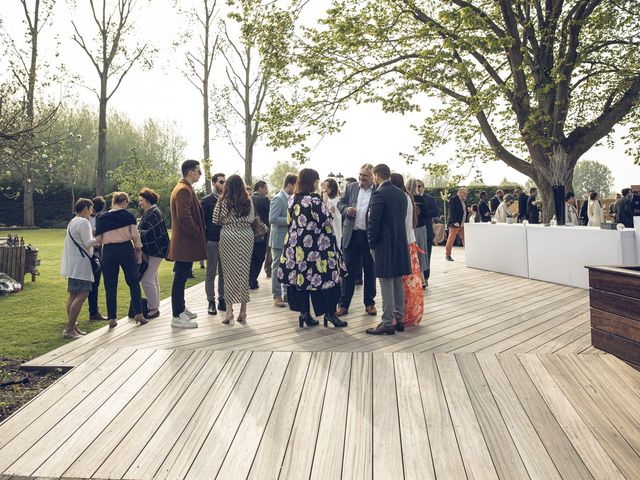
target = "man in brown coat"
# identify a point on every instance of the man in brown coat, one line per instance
(188, 240)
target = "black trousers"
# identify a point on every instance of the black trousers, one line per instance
(324, 301)
(114, 257)
(427, 273)
(257, 259)
(93, 294)
(358, 256)
(181, 272)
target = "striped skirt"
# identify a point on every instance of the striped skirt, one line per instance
(236, 247)
(421, 240)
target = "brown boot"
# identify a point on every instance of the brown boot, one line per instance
(341, 311)
(381, 329)
(371, 310)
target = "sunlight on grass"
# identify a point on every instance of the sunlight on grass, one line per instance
(33, 319)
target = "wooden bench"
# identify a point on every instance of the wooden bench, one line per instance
(614, 297)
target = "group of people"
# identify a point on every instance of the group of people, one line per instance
(499, 208)
(321, 242)
(99, 243)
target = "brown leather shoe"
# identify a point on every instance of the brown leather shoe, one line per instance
(341, 311)
(381, 329)
(371, 310)
(97, 317)
(278, 302)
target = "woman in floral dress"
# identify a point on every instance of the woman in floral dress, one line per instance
(311, 264)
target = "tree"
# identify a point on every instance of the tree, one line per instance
(591, 175)
(534, 84)
(112, 58)
(254, 61)
(21, 119)
(279, 173)
(198, 68)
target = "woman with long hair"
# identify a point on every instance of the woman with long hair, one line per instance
(331, 197)
(234, 212)
(311, 264)
(421, 225)
(594, 210)
(413, 298)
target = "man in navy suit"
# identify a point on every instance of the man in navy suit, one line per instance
(354, 206)
(387, 236)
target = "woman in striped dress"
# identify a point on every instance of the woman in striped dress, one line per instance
(234, 212)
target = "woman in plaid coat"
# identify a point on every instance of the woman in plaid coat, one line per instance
(155, 244)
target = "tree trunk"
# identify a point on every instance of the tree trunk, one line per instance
(248, 146)
(206, 161)
(101, 165)
(27, 203)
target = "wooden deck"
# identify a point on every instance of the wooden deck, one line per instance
(499, 381)
(466, 310)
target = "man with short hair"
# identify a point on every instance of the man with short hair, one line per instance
(354, 207)
(483, 207)
(188, 240)
(214, 266)
(522, 206)
(533, 212)
(94, 312)
(495, 202)
(387, 237)
(624, 213)
(279, 226)
(570, 210)
(261, 207)
(455, 224)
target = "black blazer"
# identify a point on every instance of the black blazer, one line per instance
(624, 213)
(422, 214)
(261, 206)
(208, 203)
(494, 203)
(533, 212)
(484, 211)
(387, 233)
(432, 212)
(457, 211)
(522, 206)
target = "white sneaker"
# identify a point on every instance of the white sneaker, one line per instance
(183, 321)
(190, 314)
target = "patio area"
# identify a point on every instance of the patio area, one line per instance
(499, 381)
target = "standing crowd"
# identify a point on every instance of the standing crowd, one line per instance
(315, 242)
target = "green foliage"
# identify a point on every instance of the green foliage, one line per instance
(141, 171)
(510, 81)
(591, 175)
(279, 173)
(38, 314)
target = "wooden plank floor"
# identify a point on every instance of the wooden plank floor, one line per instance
(499, 381)
(466, 310)
(141, 414)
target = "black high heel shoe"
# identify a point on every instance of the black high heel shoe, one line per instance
(334, 320)
(306, 318)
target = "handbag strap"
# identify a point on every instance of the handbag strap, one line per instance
(83, 252)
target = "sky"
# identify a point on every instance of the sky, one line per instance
(165, 95)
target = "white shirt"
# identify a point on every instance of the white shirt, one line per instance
(74, 265)
(364, 196)
(408, 222)
(502, 213)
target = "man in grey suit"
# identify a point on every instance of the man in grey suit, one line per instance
(279, 227)
(354, 207)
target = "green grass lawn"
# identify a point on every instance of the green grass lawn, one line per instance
(33, 319)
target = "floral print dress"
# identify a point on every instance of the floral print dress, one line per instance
(311, 259)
